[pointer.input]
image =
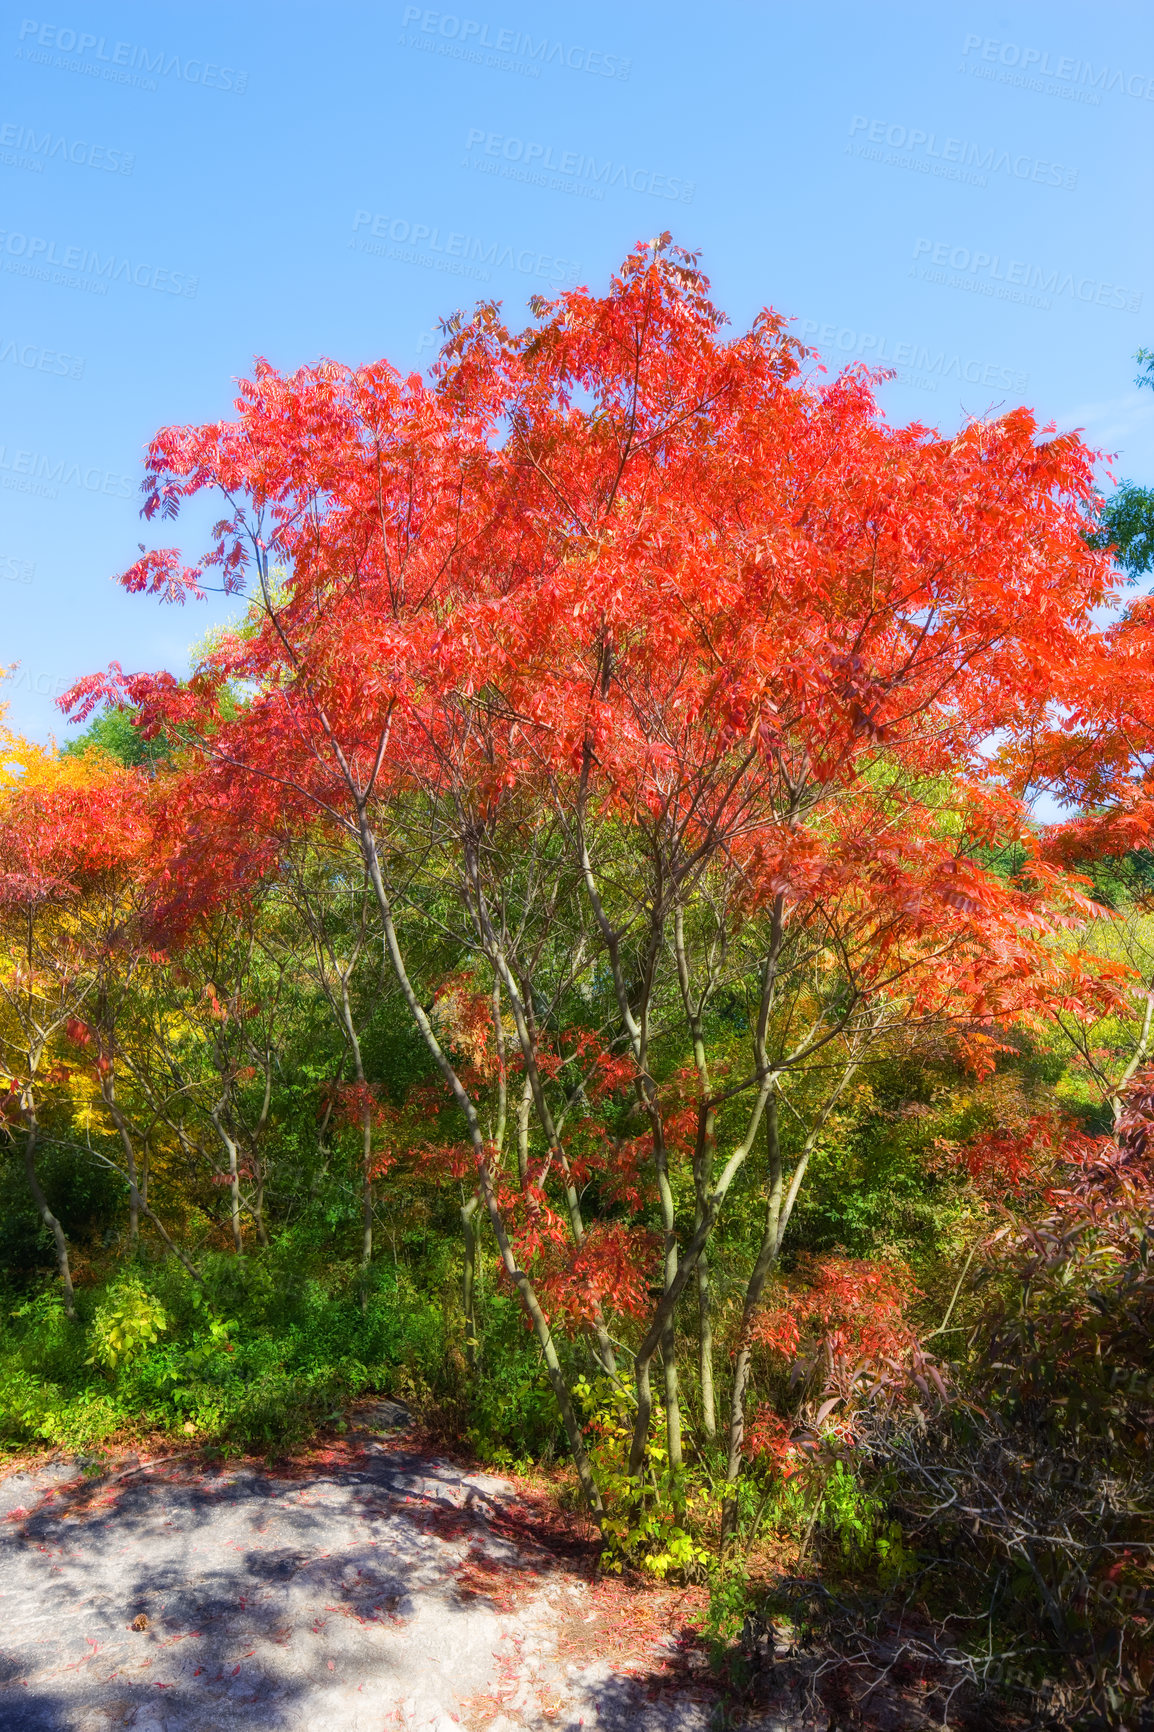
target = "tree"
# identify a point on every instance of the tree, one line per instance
(653, 680)
(71, 835)
(330, 899)
(1127, 517)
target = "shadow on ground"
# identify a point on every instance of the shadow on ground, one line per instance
(378, 1589)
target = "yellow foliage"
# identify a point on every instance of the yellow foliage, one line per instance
(128, 1321)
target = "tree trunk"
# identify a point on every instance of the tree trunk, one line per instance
(108, 1090)
(258, 1173)
(668, 1337)
(778, 1209)
(159, 1225)
(469, 1279)
(233, 1178)
(669, 1367)
(520, 1279)
(234, 1196)
(520, 1004)
(766, 1257)
(705, 1343)
(702, 1168)
(366, 1141)
(48, 1218)
(685, 1267)
(366, 1201)
(257, 1209)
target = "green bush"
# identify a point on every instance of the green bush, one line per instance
(126, 1323)
(257, 1359)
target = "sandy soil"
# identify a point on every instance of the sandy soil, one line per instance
(372, 1587)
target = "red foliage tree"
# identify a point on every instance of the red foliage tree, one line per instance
(675, 668)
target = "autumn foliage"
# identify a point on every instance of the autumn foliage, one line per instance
(646, 723)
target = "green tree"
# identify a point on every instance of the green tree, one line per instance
(1128, 515)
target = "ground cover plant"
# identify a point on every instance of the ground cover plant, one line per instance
(575, 954)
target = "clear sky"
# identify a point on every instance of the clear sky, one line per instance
(961, 191)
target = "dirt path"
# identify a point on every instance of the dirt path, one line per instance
(374, 1589)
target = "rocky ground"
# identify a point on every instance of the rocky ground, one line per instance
(372, 1587)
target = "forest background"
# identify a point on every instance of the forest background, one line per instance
(576, 955)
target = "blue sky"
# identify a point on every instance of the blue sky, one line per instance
(963, 192)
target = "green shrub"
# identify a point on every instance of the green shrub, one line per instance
(127, 1321)
(856, 1517)
(257, 1359)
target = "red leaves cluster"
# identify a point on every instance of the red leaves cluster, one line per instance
(768, 1439)
(63, 833)
(1084, 752)
(607, 1273)
(160, 573)
(714, 571)
(1015, 1156)
(848, 1307)
(1004, 1158)
(1135, 1129)
(842, 1323)
(1071, 1309)
(464, 1018)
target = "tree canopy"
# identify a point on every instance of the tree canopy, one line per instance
(616, 781)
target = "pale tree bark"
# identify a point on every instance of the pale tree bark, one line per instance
(256, 1208)
(108, 1091)
(469, 1278)
(705, 1346)
(636, 1029)
(366, 1136)
(711, 1198)
(1137, 1059)
(668, 1333)
(646, 1350)
(360, 793)
(31, 1138)
(766, 1257)
(702, 1161)
(228, 1142)
(334, 975)
(779, 1207)
(505, 980)
(1094, 1054)
(163, 1091)
(147, 1210)
(520, 1279)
